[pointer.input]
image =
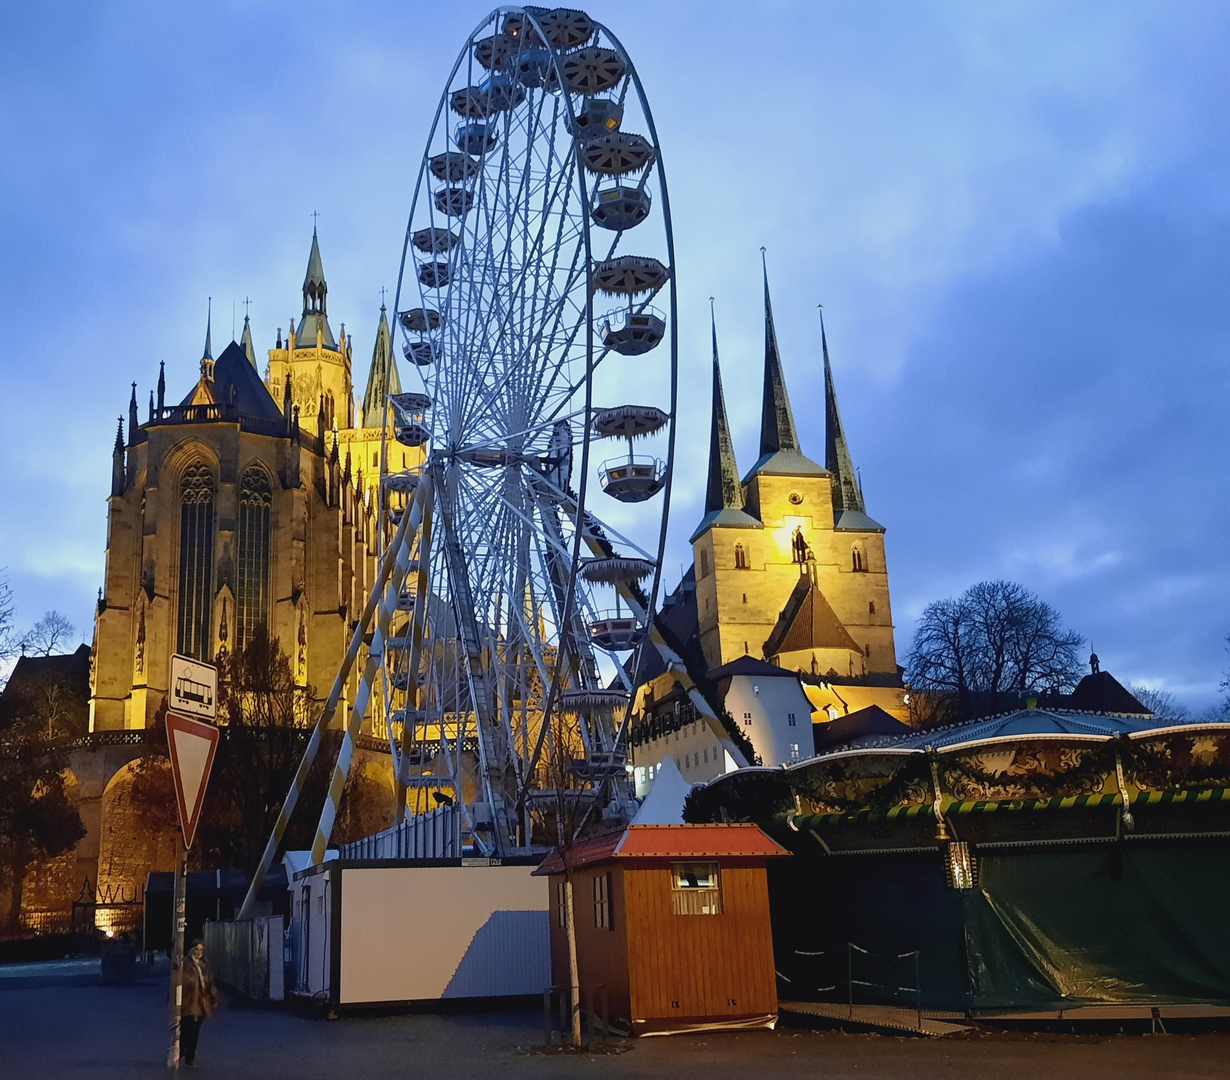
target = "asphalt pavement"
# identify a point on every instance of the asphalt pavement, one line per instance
(109, 1033)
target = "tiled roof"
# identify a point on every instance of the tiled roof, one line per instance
(668, 842)
(808, 621)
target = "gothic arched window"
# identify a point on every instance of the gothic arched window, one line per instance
(857, 559)
(196, 560)
(252, 564)
(740, 557)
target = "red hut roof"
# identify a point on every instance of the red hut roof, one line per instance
(668, 842)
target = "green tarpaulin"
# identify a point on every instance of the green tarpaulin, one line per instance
(1134, 922)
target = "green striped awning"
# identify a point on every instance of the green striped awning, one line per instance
(991, 806)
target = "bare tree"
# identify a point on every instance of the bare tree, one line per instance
(1161, 703)
(49, 635)
(8, 639)
(994, 643)
(38, 820)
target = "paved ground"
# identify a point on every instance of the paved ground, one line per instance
(98, 1032)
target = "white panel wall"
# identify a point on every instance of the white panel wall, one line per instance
(417, 933)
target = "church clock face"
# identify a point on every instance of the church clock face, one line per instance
(303, 390)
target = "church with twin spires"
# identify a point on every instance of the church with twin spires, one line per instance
(784, 616)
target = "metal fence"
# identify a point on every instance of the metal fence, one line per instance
(859, 976)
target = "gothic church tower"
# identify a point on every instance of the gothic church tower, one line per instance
(789, 567)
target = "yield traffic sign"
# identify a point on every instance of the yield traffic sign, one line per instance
(192, 745)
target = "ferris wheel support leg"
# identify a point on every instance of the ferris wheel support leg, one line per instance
(388, 590)
(417, 619)
(492, 755)
(322, 722)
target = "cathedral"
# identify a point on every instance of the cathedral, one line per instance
(252, 502)
(784, 615)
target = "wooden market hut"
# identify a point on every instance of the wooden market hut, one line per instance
(673, 921)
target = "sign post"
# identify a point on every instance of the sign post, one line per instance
(192, 744)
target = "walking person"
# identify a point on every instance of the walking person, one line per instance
(200, 998)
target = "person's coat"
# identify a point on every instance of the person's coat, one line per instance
(200, 995)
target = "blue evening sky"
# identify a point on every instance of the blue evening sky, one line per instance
(1016, 215)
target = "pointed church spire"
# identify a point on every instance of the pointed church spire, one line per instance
(724, 491)
(132, 413)
(846, 493)
(314, 287)
(314, 307)
(162, 386)
(246, 341)
(777, 430)
(207, 357)
(383, 378)
(118, 480)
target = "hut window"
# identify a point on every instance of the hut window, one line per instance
(561, 904)
(602, 901)
(696, 888)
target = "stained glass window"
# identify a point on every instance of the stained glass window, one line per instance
(196, 561)
(252, 541)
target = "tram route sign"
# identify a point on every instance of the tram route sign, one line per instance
(194, 688)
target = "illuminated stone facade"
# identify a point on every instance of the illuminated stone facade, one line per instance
(251, 502)
(787, 598)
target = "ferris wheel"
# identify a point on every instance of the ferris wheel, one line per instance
(536, 303)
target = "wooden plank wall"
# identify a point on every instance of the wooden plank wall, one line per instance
(602, 955)
(699, 967)
(660, 966)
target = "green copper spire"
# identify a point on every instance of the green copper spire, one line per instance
(846, 493)
(382, 378)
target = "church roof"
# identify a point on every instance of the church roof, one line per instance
(856, 521)
(855, 728)
(750, 666)
(1102, 692)
(808, 621)
(235, 385)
